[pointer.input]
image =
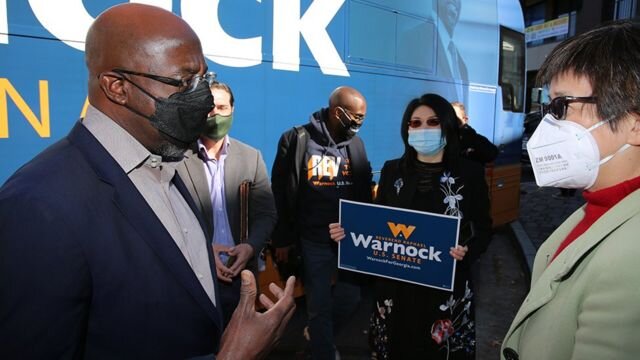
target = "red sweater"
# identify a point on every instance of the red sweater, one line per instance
(598, 203)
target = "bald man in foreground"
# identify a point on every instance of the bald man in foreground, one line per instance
(102, 255)
(332, 158)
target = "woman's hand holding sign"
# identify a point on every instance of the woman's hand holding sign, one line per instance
(458, 252)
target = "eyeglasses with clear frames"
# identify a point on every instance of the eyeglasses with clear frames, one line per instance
(357, 118)
(187, 84)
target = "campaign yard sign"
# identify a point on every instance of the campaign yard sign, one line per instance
(405, 245)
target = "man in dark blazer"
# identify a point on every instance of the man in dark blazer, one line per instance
(101, 253)
(222, 163)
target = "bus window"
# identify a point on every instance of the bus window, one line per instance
(404, 40)
(511, 76)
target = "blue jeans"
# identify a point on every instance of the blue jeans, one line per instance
(329, 307)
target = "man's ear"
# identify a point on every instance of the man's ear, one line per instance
(112, 84)
(334, 112)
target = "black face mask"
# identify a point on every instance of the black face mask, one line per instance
(351, 127)
(182, 116)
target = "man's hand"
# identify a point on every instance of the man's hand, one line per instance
(243, 253)
(250, 334)
(224, 273)
(282, 253)
(336, 232)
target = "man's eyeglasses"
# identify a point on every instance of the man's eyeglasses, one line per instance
(356, 119)
(187, 84)
(415, 123)
(558, 106)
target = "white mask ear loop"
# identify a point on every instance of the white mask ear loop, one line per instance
(598, 124)
(622, 148)
(595, 126)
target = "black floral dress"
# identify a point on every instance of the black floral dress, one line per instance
(416, 322)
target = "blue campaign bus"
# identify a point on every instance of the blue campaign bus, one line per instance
(282, 58)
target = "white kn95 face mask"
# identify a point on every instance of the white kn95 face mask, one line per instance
(564, 154)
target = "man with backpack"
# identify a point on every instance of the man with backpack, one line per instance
(316, 165)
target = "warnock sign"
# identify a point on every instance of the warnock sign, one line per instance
(399, 244)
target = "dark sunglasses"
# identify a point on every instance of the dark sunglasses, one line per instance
(187, 84)
(415, 123)
(558, 106)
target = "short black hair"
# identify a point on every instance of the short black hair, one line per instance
(448, 124)
(609, 57)
(224, 87)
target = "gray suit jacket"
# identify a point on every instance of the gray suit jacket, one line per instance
(242, 163)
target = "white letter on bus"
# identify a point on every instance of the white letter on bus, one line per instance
(217, 45)
(4, 23)
(288, 26)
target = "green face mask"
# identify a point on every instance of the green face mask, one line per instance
(218, 126)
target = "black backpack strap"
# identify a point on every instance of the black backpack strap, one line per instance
(302, 137)
(298, 138)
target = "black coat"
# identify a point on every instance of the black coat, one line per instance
(474, 204)
(406, 314)
(475, 146)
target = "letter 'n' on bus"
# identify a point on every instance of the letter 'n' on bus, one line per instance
(41, 126)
